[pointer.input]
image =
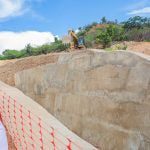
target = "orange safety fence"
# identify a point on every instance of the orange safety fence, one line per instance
(29, 131)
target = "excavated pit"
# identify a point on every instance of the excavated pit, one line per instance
(104, 97)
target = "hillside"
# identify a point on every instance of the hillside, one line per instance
(133, 34)
(142, 47)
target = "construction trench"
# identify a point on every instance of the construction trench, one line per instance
(101, 98)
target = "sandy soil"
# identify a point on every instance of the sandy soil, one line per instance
(3, 62)
(8, 68)
(142, 47)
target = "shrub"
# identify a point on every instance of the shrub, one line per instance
(116, 32)
(11, 54)
(89, 40)
(119, 46)
(2, 57)
(103, 20)
(104, 38)
(138, 34)
(30, 51)
(109, 34)
(136, 22)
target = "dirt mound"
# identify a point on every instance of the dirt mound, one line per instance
(142, 47)
(3, 62)
(8, 68)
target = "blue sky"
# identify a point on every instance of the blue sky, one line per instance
(56, 16)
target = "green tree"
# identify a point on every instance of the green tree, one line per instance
(80, 28)
(116, 32)
(136, 22)
(103, 20)
(138, 34)
(104, 38)
(28, 49)
(109, 34)
(94, 24)
(56, 39)
(11, 54)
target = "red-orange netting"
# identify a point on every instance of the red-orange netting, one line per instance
(29, 131)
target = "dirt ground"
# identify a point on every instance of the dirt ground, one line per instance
(3, 62)
(142, 47)
(8, 68)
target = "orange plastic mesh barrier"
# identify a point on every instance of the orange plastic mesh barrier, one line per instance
(29, 131)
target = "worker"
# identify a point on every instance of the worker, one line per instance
(3, 137)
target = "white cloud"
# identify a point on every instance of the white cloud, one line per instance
(137, 5)
(145, 10)
(9, 8)
(18, 40)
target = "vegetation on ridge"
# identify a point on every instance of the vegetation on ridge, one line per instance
(56, 46)
(107, 32)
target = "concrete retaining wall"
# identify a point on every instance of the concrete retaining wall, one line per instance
(104, 97)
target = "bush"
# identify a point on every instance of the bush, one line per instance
(89, 40)
(56, 46)
(116, 32)
(104, 38)
(109, 34)
(136, 22)
(138, 34)
(11, 54)
(119, 46)
(2, 57)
